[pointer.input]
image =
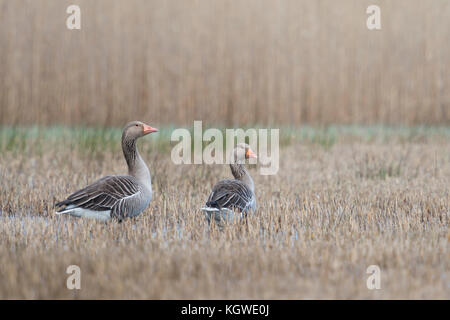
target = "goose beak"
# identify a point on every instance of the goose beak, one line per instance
(148, 129)
(250, 154)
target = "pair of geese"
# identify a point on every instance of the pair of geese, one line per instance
(124, 196)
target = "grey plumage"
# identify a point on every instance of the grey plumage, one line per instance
(118, 196)
(232, 194)
(232, 199)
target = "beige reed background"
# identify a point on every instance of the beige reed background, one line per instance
(231, 62)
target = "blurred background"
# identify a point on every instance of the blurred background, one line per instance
(364, 170)
(224, 62)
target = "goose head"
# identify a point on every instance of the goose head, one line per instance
(137, 129)
(242, 151)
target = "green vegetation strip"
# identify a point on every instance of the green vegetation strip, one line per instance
(89, 139)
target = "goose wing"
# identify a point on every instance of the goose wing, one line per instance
(231, 194)
(103, 194)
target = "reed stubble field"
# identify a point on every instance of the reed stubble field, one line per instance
(341, 201)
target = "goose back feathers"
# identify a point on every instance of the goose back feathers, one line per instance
(118, 196)
(232, 194)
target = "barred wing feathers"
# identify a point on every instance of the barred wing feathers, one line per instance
(231, 194)
(107, 193)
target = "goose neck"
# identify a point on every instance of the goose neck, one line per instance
(240, 173)
(136, 165)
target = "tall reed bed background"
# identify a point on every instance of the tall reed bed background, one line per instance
(230, 62)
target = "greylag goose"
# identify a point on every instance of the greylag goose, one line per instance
(230, 195)
(117, 196)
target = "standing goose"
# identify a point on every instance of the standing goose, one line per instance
(117, 196)
(233, 194)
